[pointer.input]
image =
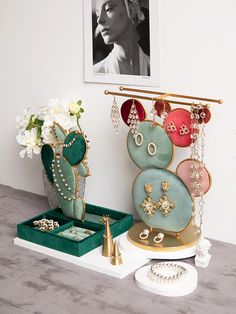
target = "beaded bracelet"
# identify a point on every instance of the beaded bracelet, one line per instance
(158, 272)
(46, 224)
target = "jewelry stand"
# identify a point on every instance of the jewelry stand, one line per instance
(142, 238)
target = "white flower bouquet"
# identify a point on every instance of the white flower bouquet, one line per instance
(34, 129)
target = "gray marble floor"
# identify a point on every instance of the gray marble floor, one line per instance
(33, 283)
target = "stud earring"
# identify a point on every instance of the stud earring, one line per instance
(115, 116)
(183, 130)
(171, 127)
(133, 119)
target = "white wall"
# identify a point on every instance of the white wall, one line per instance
(41, 56)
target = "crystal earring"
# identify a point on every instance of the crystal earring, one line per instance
(164, 112)
(153, 113)
(115, 116)
(133, 119)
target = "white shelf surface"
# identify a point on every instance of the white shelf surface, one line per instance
(93, 260)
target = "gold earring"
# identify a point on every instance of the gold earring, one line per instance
(165, 205)
(149, 206)
(158, 238)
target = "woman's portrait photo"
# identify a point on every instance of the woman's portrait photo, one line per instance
(121, 49)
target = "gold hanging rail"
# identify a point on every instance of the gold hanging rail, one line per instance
(107, 92)
(123, 88)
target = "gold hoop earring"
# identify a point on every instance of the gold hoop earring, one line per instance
(144, 234)
(158, 238)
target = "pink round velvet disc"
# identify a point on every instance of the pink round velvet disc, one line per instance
(178, 120)
(184, 172)
(125, 109)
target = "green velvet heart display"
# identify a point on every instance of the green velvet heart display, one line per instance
(64, 166)
(47, 156)
(74, 148)
(65, 185)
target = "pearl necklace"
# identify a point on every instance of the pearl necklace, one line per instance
(61, 179)
(159, 272)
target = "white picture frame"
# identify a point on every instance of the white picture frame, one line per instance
(153, 79)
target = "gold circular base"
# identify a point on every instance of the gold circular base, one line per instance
(171, 242)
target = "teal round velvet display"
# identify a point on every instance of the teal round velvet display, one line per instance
(157, 136)
(75, 153)
(180, 215)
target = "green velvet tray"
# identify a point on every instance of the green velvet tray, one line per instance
(120, 222)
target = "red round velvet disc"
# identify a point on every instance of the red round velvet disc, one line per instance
(177, 126)
(125, 110)
(207, 113)
(161, 106)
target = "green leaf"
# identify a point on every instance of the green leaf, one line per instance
(38, 122)
(39, 132)
(79, 102)
(81, 110)
(31, 123)
(78, 115)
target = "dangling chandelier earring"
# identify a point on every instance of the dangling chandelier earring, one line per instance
(164, 112)
(115, 116)
(133, 119)
(153, 113)
(197, 156)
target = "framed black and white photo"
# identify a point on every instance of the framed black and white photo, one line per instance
(121, 42)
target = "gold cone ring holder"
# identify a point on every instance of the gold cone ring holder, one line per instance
(108, 245)
(116, 256)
